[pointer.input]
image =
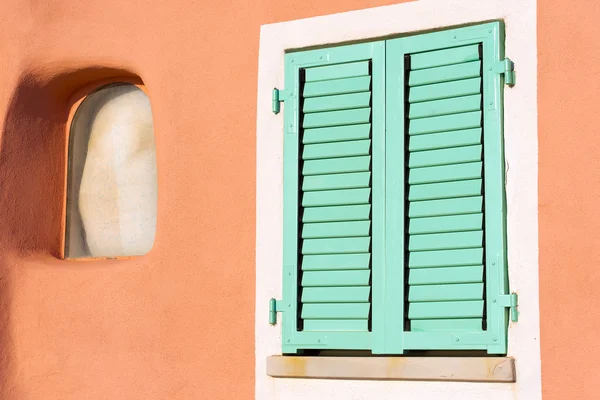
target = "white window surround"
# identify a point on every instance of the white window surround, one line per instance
(520, 135)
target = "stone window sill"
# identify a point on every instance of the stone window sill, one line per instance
(458, 369)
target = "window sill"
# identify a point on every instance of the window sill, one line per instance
(459, 369)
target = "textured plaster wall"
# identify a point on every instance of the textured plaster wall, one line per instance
(569, 189)
(520, 134)
(177, 323)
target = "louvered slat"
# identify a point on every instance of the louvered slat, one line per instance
(336, 246)
(333, 262)
(445, 73)
(337, 86)
(445, 241)
(336, 229)
(336, 311)
(450, 223)
(450, 292)
(446, 106)
(336, 278)
(336, 134)
(444, 123)
(335, 294)
(337, 71)
(336, 165)
(455, 155)
(334, 150)
(445, 90)
(335, 325)
(445, 258)
(339, 102)
(336, 118)
(439, 325)
(443, 140)
(445, 191)
(359, 212)
(454, 55)
(432, 208)
(336, 181)
(446, 309)
(336, 198)
(445, 275)
(445, 173)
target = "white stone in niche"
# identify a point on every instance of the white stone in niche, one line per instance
(112, 192)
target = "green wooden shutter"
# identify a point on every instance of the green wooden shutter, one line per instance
(333, 197)
(454, 249)
(394, 233)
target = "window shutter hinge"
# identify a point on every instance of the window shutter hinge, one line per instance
(274, 307)
(278, 96)
(510, 301)
(506, 67)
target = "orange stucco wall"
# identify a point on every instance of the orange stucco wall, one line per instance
(569, 193)
(179, 322)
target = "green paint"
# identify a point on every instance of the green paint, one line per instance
(454, 155)
(444, 74)
(443, 140)
(336, 165)
(339, 102)
(450, 223)
(436, 58)
(443, 275)
(336, 86)
(445, 90)
(445, 173)
(337, 71)
(446, 122)
(336, 181)
(336, 134)
(345, 124)
(458, 206)
(337, 118)
(455, 105)
(336, 229)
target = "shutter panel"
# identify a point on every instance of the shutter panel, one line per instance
(453, 203)
(335, 259)
(445, 99)
(394, 232)
(333, 197)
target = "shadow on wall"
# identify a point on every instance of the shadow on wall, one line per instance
(32, 179)
(33, 158)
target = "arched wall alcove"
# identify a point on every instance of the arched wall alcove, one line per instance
(33, 156)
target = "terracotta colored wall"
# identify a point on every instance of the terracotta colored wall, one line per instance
(569, 193)
(178, 323)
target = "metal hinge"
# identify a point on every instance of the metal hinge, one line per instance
(274, 307)
(278, 96)
(506, 67)
(510, 301)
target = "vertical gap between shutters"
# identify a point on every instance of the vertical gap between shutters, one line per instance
(406, 187)
(299, 320)
(481, 89)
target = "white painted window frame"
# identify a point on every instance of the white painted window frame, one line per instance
(520, 136)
